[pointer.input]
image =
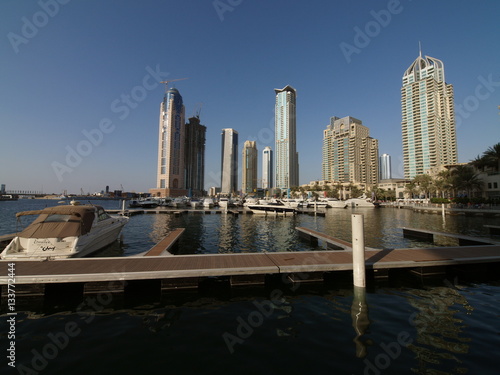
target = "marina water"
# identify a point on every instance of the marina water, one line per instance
(408, 326)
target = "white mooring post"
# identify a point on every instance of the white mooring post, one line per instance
(358, 251)
(123, 206)
(442, 209)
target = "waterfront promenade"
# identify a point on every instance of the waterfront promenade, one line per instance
(449, 209)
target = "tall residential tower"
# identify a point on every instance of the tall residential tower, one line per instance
(229, 162)
(195, 156)
(249, 170)
(385, 167)
(286, 156)
(349, 153)
(428, 117)
(267, 168)
(170, 172)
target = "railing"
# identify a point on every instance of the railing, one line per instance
(439, 205)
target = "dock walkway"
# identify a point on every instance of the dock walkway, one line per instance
(463, 240)
(161, 270)
(233, 265)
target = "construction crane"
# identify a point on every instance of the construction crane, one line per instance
(171, 80)
(197, 110)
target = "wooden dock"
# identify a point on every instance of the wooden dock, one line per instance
(430, 235)
(189, 271)
(332, 243)
(165, 245)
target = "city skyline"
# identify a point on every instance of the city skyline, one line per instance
(89, 119)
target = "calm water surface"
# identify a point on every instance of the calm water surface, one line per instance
(411, 326)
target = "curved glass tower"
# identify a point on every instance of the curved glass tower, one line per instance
(170, 176)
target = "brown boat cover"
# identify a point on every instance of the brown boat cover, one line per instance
(79, 222)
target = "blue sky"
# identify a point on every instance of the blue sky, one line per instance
(79, 100)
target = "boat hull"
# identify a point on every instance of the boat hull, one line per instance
(271, 209)
(67, 247)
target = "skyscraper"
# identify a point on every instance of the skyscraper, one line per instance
(267, 168)
(287, 160)
(195, 156)
(349, 153)
(249, 170)
(428, 117)
(229, 162)
(385, 167)
(170, 173)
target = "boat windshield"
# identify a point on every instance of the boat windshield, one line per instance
(102, 215)
(57, 218)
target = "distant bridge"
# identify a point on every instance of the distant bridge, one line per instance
(22, 192)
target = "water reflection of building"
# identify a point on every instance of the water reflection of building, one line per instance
(440, 334)
(228, 234)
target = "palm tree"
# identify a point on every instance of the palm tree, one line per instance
(411, 189)
(464, 178)
(424, 182)
(443, 182)
(480, 162)
(492, 156)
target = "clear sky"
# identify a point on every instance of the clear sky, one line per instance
(79, 94)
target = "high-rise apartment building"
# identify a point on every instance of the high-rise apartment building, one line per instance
(170, 172)
(385, 167)
(349, 153)
(229, 162)
(267, 168)
(194, 160)
(286, 156)
(428, 117)
(249, 170)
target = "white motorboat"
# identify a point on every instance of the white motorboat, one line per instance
(208, 202)
(250, 201)
(196, 203)
(334, 203)
(143, 203)
(179, 202)
(225, 202)
(64, 232)
(294, 203)
(316, 204)
(360, 202)
(275, 207)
